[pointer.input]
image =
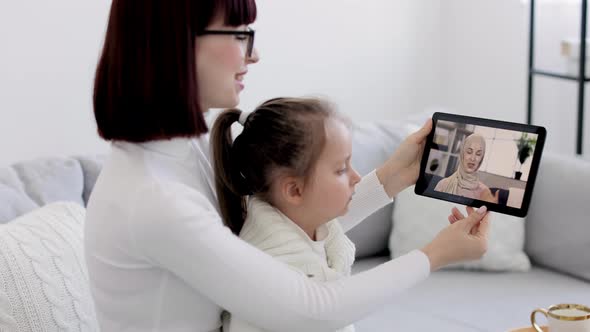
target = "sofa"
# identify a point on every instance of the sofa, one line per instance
(557, 243)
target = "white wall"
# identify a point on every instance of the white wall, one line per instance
(375, 58)
(486, 58)
(378, 59)
(48, 52)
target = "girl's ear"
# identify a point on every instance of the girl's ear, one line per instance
(290, 190)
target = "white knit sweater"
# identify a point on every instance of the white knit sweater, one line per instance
(327, 259)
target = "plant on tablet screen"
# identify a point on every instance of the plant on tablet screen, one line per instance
(525, 146)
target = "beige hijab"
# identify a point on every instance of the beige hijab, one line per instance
(462, 179)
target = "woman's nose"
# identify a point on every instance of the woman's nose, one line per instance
(254, 58)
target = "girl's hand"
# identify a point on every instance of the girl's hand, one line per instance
(402, 168)
(465, 239)
(456, 215)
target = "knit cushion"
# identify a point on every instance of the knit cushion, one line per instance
(7, 323)
(43, 277)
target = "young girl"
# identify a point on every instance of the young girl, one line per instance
(282, 183)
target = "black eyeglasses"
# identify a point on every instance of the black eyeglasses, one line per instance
(248, 37)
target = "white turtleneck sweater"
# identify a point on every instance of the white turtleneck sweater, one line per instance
(160, 259)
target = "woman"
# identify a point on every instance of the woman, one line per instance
(465, 181)
(159, 257)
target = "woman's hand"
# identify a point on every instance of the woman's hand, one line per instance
(465, 239)
(487, 196)
(402, 168)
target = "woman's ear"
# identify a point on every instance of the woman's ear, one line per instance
(291, 190)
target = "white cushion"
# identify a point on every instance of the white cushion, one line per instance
(418, 219)
(44, 281)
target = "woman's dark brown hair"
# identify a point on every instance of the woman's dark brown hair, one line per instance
(146, 81)
(283, 136)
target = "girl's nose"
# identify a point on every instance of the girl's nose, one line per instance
(355, 178)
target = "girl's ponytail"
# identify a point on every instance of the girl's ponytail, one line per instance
(229, 184)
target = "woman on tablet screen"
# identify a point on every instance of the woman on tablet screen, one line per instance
(465, 181)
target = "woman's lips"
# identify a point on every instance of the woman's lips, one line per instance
(239, 80)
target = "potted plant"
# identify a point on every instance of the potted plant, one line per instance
(525, 146)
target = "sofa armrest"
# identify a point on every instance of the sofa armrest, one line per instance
(557, 226)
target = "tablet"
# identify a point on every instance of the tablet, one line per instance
(474, 162)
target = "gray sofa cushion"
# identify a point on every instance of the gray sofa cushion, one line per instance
(14, 200)
(467, 301)
(372, 144)
(52, 179)
(558, 227)
(91, 166)
(30, 184)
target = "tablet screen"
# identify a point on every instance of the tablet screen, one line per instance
(476, 161)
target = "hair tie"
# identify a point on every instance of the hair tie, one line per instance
(243, 117)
